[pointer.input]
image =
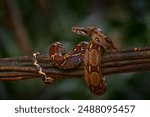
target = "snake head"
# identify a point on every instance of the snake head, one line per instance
(85, 31)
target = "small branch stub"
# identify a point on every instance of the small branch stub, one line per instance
(46, 79)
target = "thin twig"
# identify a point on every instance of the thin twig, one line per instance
(19, 68)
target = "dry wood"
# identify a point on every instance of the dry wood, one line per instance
(19, 68)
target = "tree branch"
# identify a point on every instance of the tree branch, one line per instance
(131, 60)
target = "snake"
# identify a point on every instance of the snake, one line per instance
(98, 45)
(90, 53)
(69, 60)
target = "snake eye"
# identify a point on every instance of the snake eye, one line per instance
(108, 40)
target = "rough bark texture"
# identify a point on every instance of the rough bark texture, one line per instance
(19, 68)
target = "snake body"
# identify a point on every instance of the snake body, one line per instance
(92, 58)
(90, 53)
(64, 60)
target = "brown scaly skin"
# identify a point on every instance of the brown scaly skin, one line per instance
(64, 60)
(99, 44)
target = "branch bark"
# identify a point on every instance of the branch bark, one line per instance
(131, 60)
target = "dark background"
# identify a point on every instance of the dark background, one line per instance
(27, 26)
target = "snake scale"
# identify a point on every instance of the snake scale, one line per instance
(88, 53)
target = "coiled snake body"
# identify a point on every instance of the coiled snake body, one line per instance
(64, 60)
(90, 53)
